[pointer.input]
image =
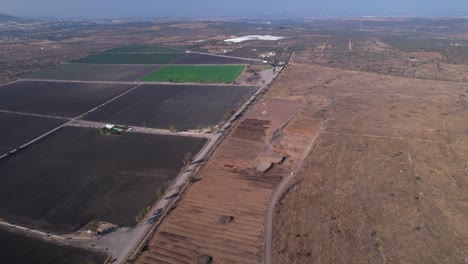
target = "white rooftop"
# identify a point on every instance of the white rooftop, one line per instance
(253, 37)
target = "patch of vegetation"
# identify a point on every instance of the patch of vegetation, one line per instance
(193, 179)
(172, 128)
(141, 215)
(188, 158)
(196, 74)
(230, 112)
(160, 193)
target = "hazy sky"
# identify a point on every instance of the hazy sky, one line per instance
(200, 8)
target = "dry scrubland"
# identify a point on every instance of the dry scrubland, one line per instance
(386, 179)
(418, 56)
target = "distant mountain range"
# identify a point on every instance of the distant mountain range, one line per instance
(5, 18)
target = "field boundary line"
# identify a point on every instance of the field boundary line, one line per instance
(182, 184)
(134, 82)
(67, 123)
(136, 129)
(33, 114)
(110, 64)
(30, 230)
(226, 56)
(198, 163)
(4, 84)
(153, 52)
(105, 103)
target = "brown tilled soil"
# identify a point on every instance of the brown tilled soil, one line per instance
(387, 176)
(223, 215)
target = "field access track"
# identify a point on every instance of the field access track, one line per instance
(76, 175)
(19, 129)
(23, 249)
(57, 98)
(183, 106)
(93, 72)
(223, 215)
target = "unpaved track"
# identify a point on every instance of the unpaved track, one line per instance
(36, 115)
(71, 120)
(385, 182)
(277, 194)
(135, 82)
(231, 186)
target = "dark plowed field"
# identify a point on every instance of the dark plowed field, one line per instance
(78, 174)
(93, 72)
(17, 130)
(57, 98)
(20, 249)
(184, 106)
(131, 58)
(196, 58)
(144, 49)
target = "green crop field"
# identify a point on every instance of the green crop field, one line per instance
(131, 58)
(197, 74)
(145, 49)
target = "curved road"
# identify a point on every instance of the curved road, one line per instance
(276, 195)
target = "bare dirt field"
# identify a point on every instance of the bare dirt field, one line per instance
(182, 106)
(20, 129)
(77, 175)
(21, 249)
(93, 72)
(57, 98)
(386, 179)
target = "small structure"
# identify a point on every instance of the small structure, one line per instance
(109, 129)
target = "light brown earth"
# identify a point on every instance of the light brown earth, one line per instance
(232, 188)
(381, 163)
(387, 178)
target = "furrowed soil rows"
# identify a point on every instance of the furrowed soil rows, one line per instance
(21, 249)
(182, 106)
(223, 215)
(191, 230)
(19, 129)
(57, 98)
(93, 72)
(58, 184)
(196, 58)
